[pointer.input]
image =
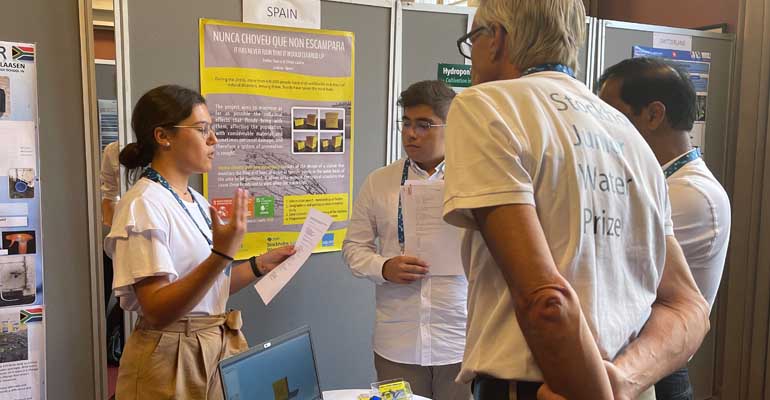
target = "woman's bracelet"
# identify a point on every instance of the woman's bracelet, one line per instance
(223, 255)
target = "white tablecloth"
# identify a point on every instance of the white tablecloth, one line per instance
(352, 394)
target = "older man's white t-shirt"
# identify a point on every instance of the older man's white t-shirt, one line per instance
(545, 140)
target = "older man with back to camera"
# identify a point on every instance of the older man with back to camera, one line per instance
(660, 100)
(575, 277)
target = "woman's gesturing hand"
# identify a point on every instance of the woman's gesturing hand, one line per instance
(228, 237)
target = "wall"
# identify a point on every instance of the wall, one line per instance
(53, 25)
(677, 13)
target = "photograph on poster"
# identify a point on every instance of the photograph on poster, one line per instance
(5, 97)
(304, 118)
(21, 183)
(333, 119)
(19, 242)
(333, 142)
(14, 338)
(17, 280)
(305, 142)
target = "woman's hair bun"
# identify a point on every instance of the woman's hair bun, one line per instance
(133, 157)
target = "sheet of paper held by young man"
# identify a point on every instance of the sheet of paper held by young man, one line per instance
(426, 235)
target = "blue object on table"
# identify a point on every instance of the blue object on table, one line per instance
(20, 186)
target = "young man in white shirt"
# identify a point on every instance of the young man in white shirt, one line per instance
(570, 252)
(419, 333)
(661, 102)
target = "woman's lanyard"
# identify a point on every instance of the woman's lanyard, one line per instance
(549, 67)
(401, 239)
(691, 155)
(154, 176)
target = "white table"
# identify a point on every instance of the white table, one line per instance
(352, 394)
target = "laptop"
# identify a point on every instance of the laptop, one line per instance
(280, 369)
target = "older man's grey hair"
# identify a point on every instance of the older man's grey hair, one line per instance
(539, 31)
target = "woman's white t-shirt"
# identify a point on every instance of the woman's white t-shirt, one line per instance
(152, 235)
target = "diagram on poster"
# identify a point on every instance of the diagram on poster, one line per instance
(698, 65)
(282, 102)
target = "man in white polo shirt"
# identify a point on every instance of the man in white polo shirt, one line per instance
(660, 101)
(570, 252)
(420, 326)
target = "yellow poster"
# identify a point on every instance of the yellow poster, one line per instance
(282, 103)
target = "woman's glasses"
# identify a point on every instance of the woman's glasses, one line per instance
(205, 128)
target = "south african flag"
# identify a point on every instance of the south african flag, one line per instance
(23, 53)
(31, 315)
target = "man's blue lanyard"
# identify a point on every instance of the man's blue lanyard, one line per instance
(549, 67)
(401, 239)
(154, 176)
(691, 155)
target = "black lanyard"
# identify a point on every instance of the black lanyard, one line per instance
(401, 239)
(154, 176)
(691, 155)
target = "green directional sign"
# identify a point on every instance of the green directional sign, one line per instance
(455, 75)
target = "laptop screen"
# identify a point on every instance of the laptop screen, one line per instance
(282, 369)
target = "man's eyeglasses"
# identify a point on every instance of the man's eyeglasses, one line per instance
(206, 129)
(465, 42)
(419, 127)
